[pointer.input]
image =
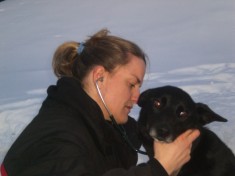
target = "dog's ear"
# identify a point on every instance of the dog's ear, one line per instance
(206, 115)
(144, 97)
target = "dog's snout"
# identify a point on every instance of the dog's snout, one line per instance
(163, 132)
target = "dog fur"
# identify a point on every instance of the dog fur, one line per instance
(168, 111)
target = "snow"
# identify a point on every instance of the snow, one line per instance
(190, 44)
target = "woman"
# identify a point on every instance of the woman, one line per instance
(80, 128)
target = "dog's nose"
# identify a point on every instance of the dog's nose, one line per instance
(162, 133)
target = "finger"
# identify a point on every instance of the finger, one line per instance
(192, 136)
(185, 135)
(189, 135)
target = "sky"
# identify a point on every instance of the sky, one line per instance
(189, 44)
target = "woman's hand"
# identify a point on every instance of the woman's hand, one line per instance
(173, 156)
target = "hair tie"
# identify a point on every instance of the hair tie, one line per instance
(80, 48)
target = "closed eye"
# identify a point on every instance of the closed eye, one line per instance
(132, 85)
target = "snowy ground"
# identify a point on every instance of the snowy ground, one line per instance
(190, 44)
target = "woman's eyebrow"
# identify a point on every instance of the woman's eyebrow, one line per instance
(138, 80)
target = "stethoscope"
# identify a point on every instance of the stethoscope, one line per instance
(120, 128)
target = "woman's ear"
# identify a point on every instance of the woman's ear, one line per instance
(98, 73)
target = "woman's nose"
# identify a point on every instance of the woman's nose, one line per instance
(135, 95)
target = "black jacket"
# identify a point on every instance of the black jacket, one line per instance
(69, 137)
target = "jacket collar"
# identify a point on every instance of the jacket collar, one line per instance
(70, 92)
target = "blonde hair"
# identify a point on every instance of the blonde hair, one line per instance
(100, 49)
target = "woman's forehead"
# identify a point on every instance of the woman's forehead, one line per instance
(134, 68)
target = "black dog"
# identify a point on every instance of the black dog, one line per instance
(168, 111)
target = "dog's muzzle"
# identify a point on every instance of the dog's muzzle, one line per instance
(161, 134)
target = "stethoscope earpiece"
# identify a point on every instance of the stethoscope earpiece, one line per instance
(101, 79)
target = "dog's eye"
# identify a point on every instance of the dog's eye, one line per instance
(160, 103)
(181, 113)
(157, 104)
